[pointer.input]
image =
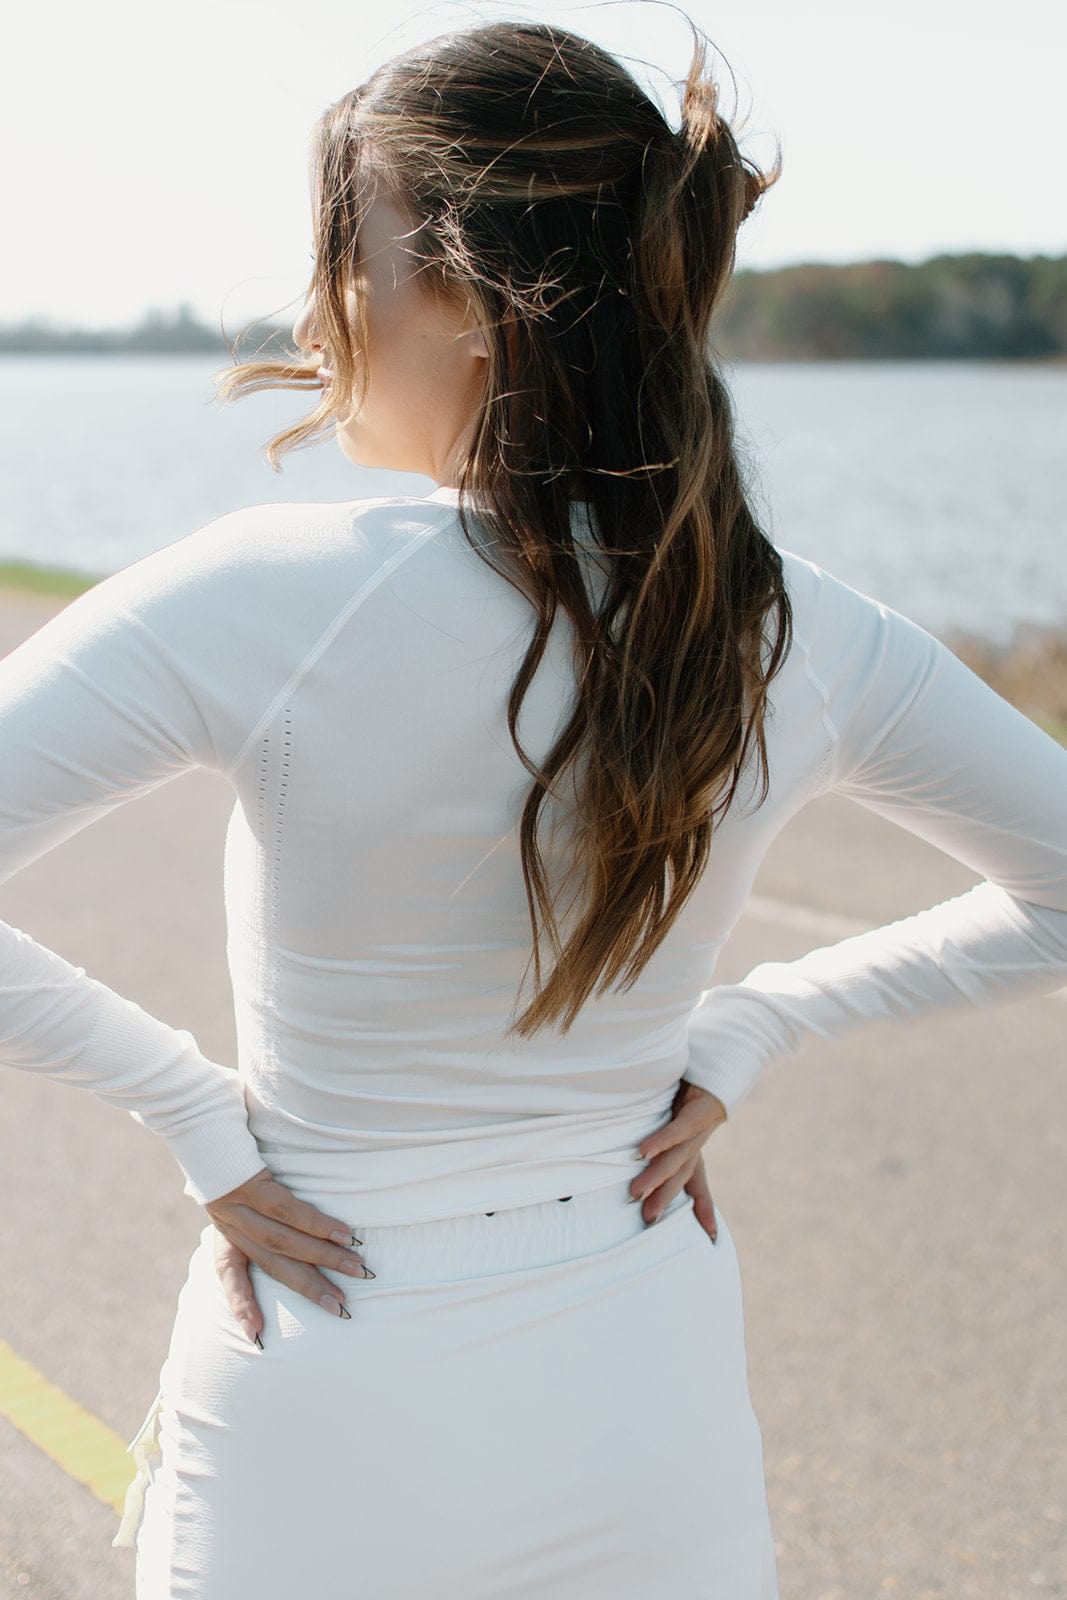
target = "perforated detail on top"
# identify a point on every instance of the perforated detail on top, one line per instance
(273, 777)
(285, 758)
(322, 643)
(272, 874)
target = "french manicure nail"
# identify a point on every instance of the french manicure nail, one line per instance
(349, 1240)
(259, 1341)
(331, 1303)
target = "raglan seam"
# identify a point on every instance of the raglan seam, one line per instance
(324, 640)
(829, 764)
(832, 760)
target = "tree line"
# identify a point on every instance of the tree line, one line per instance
(994, 307)
(951, 306)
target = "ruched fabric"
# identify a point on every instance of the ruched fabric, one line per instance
(551, 1400)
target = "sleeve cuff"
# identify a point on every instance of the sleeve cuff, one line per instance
(216, 1149)
(728, 1070)
(216, 1158)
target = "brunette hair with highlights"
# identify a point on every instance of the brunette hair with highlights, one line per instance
(547, 190)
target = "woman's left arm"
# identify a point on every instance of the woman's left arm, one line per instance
(918, 738)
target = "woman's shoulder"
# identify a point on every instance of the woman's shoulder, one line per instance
(854, 661)
(295, 534)
(275, 555)
(244, 595)
(834, 619)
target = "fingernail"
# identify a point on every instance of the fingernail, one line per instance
(248, 1331)
(259, 1341)
(715, 1238)
(349, 1240)
(346, 1313)
(331, 1303)
(640, 1195)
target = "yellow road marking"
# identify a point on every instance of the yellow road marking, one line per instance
(80, 1443)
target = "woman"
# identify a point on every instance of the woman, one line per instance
(426, 1346)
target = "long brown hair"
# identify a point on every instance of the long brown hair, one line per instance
(550, 192)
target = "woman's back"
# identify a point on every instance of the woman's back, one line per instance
(347, 666)
(378, 922)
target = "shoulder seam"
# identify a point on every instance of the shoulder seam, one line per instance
(831, 757)
(833, 735)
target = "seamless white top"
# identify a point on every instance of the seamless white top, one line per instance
(346, 666)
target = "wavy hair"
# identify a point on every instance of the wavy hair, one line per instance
(547, 189)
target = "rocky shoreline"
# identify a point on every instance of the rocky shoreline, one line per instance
(1030, 670)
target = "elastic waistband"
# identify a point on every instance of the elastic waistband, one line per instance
(476, 1243)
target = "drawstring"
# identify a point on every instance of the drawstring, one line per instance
(144, 1442)
(559, 1197)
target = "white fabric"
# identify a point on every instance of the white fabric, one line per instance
(549, 1403)
(347, 667)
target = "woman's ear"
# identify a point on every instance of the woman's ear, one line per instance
(473, 333)
(476, 342)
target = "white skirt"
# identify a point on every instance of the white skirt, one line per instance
(549, 1402)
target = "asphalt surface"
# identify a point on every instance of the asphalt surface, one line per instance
(897, 1200)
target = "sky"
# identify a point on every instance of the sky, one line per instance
(158, 156)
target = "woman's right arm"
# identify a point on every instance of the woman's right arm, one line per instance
(160, 668)
(94, 711)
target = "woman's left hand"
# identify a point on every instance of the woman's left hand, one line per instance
(673, 1154)
(262, 1221)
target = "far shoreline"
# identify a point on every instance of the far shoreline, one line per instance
(223, 356)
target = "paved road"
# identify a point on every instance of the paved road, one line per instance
(897, 1200)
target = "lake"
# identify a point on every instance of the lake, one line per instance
(939, 488)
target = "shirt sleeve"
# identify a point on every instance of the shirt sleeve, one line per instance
(919, 739)
(95, 709)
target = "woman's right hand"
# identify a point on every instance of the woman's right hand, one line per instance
(263, 1221)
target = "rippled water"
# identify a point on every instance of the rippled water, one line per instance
(940, 488)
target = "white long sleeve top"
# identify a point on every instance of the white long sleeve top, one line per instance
(346, 667)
